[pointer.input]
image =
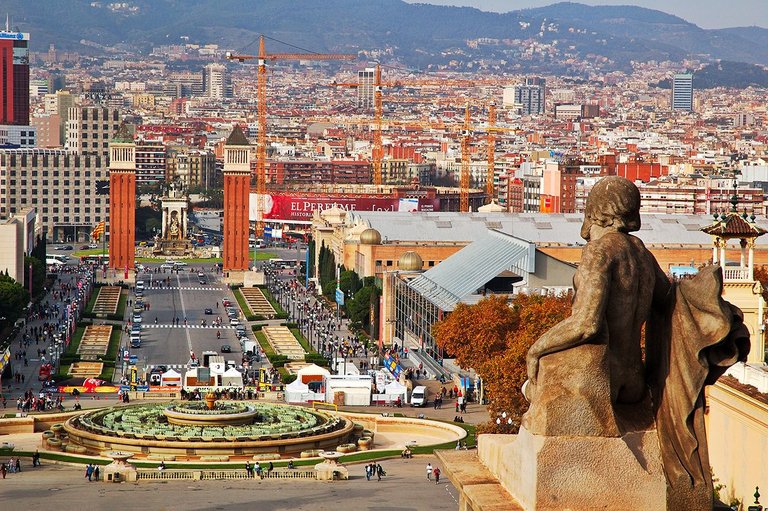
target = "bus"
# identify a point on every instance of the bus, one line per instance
(61, 258)
(95, 259)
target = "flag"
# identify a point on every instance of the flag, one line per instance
(98, 231)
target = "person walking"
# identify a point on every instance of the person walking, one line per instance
(3, 470)
(96, 473)
(88, 471)
(436, 473)
(248, 469)
(429, 471)
(367, 472)
(380, 471)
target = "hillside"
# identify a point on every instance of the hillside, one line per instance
(417, 34)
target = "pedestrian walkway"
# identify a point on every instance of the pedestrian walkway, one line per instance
(167, 325)
(186, 288)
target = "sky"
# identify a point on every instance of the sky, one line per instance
(704, 13)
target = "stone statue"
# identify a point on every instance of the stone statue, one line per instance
(587, 376)
(174, 230)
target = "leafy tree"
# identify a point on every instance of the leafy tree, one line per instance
(493, 337)
(359, 305)
(40, 248)
(38, 275)
(13, 298)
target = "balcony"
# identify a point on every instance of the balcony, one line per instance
(731, 274)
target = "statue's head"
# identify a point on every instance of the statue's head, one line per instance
(613, 202)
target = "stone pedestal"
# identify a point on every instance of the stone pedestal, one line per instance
(119, 470)
(329, 469)
(578, 473)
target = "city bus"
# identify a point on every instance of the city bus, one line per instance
(95, 259)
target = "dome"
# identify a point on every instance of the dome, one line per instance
(370, 237)
(410, 261)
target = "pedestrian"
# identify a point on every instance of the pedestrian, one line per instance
(436, 473)
(96, 473)
(88, 471)
(36, 459)
(3, 470)
(270, 468)
(248, 469)
(429, 471)
(380, 471)
(367, 472)
(257, 469)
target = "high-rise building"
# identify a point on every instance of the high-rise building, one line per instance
(14, 78)
(89, 129)
(365, 87)
(529, 96)
(218, 83)
(682, 92)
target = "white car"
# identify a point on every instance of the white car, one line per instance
(234, 322)
(167, 266)
(179, 264)
(137, 318)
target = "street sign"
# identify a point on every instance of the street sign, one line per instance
(339, 296)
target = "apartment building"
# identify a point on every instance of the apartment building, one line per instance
(89, 129)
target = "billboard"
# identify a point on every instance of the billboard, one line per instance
(299, 208)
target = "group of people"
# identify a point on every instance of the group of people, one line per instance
(92, 472)
(257, 470)
(433, 472)
(374, 469)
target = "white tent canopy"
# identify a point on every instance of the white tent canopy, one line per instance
(312, 370)
(395, 388)
(232, 378)
(170, 378)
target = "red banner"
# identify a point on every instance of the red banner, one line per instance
(300, 208)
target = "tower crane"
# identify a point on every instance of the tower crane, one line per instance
(261, 113)
(377, 154)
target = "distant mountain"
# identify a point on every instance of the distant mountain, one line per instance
(416, 34)
(724, 73)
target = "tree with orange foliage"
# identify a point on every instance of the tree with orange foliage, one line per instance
(493, 337)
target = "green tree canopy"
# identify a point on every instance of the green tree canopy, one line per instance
(13, 298)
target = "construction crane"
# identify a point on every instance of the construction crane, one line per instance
(261, 112)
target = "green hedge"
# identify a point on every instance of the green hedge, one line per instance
(316, 358)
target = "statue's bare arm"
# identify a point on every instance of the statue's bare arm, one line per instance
(587, 315)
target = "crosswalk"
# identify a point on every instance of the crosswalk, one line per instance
(168, 325)
(185, 288)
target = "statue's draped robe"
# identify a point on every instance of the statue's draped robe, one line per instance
(690, 343)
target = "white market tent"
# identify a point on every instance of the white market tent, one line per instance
(395, 388)
(170, 378)
(296, 391)
(232, 378)
(356, 389)
(312, 372)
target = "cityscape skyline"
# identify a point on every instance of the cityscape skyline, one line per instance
(704, 13)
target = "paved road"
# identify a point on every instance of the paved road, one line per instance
(182, 296)
(404, 488)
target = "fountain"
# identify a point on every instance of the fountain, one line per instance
(222, 428)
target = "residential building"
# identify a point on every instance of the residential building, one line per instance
(17, 239)
(529, 96)
(60, 184)
(89, 129)
(150, 161)
(48, 131)
(193, 166)
(217, 81)
(682, 92)
(366, 88)
(18, 136)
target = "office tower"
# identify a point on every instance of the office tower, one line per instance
(682, 92)
(89, 129)
(14, 77)
(529, 96)
(217, 81)
(365, 87)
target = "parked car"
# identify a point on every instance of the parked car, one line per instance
(133, 360)
(234, 321)
(137, 318)
(85, 247)
(93, 245)
(65, 247)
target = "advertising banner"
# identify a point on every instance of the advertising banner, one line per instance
(296, 208)
(391, 364)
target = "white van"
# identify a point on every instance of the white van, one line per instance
(419, 396)
(53, 261)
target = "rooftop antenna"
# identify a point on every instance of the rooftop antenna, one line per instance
(7, 22)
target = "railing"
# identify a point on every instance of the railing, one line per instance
(736, 274)
(165, 475)
(221, 474)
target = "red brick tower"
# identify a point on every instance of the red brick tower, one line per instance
(237, 184)
(122, 200)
